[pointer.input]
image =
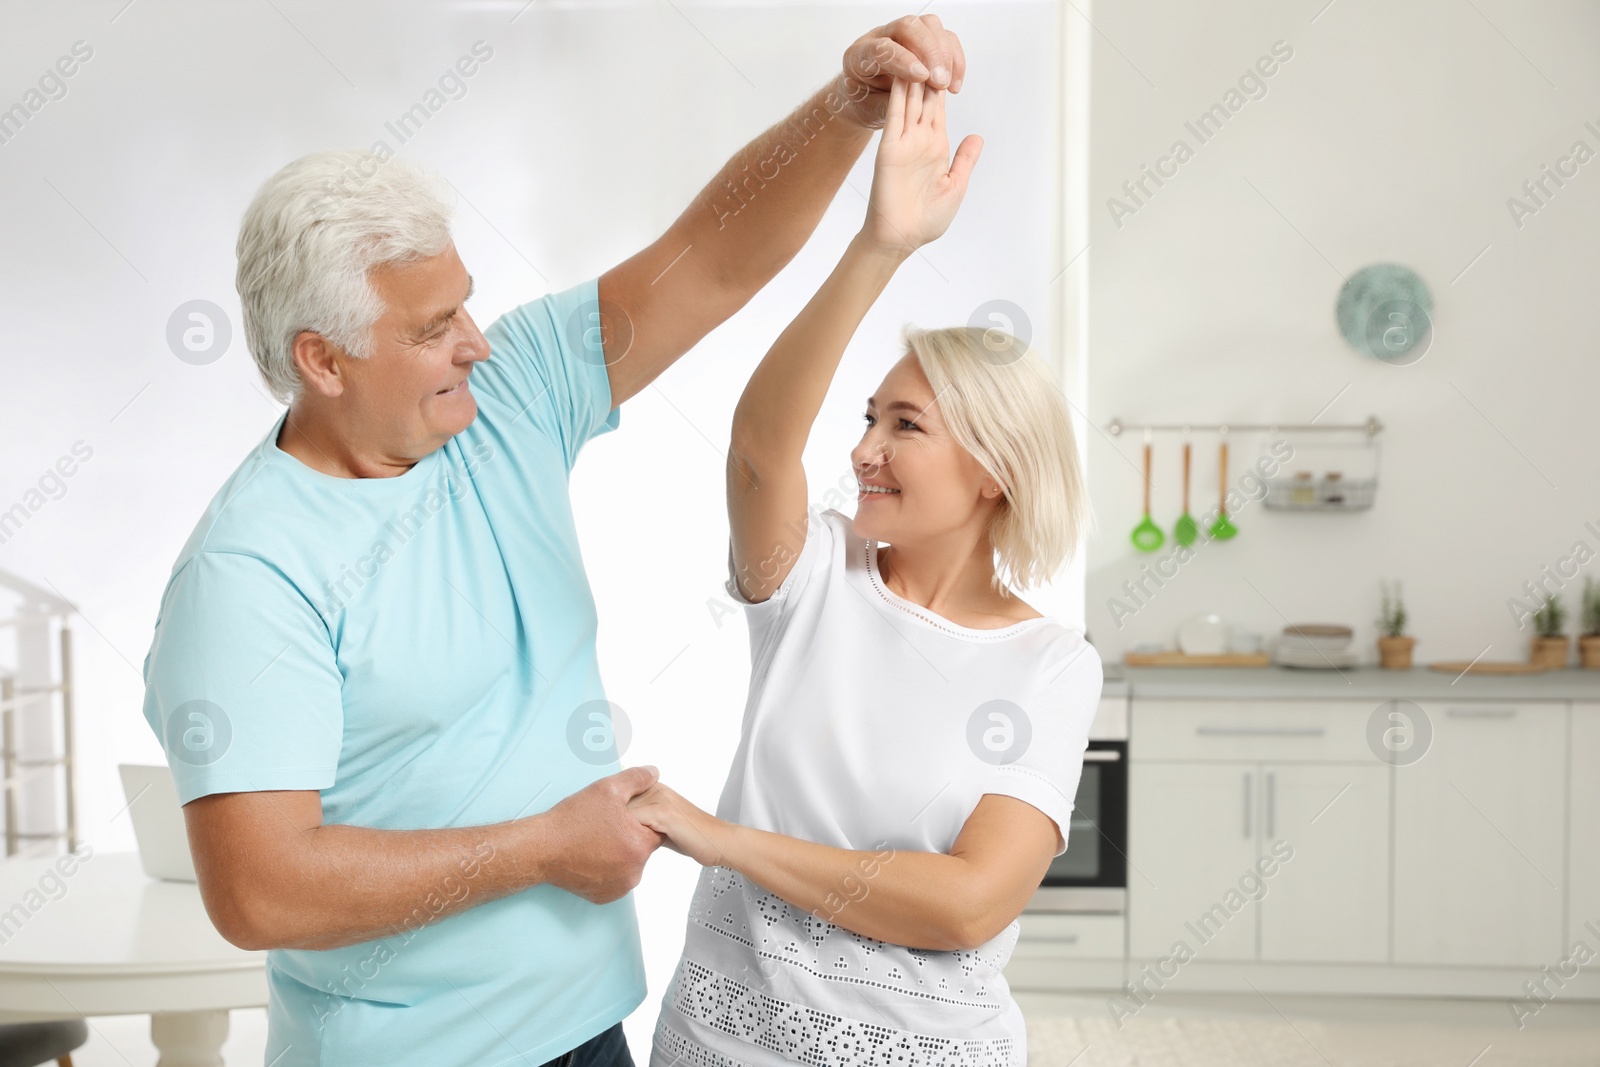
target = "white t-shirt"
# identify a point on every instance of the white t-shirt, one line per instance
(874, 725)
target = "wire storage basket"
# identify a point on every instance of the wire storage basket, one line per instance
(1330, 492)
(1325, 476)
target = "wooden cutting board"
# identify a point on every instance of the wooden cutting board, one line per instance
(1463, 666)
(1181, 659)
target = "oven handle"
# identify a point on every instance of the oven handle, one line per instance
(1261, 731)
(1101, 755)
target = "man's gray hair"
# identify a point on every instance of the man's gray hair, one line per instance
(310, 237)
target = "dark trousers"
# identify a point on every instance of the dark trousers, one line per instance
(608, 1049)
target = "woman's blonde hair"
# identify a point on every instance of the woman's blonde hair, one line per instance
(1004, 406)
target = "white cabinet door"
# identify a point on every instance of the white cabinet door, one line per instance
(1330, 900)
(1583, 844)
(1192, 831)
(1479, 834)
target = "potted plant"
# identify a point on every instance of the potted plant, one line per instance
(1589, 643)
(1551, 645)
(1394, 647)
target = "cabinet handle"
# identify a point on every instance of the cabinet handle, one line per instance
(1247, 804)
(1272, 803)
(1261, 731)
(1480, 713)
(1101, 755)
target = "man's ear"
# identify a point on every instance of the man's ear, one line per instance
(317, 360)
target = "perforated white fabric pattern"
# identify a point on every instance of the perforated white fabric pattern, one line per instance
(760, 970)
(679, 1051)
(773, 931)
(806, 1035)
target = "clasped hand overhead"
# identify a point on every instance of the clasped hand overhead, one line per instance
(916, 186)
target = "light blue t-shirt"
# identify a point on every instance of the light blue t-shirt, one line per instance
(421, 650)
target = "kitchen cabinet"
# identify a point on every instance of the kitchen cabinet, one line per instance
(1480, 829)
(1216, 788)
(1462, 872)
(1192, 833)
(1330, 902)
(1583, 839)
(1071, 936)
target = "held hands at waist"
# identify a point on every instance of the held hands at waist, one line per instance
(684, 827)
(928, 900)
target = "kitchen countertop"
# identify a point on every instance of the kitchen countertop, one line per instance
(1353, 683)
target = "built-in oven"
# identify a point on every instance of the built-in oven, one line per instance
(1092, 874)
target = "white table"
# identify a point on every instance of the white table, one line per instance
(117, 942)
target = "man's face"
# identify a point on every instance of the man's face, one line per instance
(413, 391)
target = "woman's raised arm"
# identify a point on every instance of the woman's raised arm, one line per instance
(916, 189)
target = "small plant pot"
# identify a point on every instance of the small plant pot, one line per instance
(1589, 651)
(1550, 652)
(1394, 653)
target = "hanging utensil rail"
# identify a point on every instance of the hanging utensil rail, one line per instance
(1372, 427)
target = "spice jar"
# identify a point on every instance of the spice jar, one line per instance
(1333, 488)
(1302, 493)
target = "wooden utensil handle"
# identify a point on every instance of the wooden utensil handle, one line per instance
(1147, 477)
(1186, 448)
(1224, 489)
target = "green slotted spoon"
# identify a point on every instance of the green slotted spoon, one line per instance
(1223, 529)
(1186, 530)
(1147, 536)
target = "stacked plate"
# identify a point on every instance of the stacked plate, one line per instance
(1318, 646)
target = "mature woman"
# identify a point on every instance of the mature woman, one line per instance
(914, 732)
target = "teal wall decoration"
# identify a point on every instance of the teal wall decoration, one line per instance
(1385, 310)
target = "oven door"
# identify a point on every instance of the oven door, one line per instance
(1092, 874)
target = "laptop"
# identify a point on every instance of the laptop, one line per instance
(157, 822)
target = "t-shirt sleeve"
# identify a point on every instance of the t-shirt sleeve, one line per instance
(241, 684)
(767, 618)
(546, 363)
(1046, 770)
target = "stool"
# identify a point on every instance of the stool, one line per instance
(30, 1044)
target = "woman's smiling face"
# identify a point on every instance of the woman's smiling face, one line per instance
(915, 481)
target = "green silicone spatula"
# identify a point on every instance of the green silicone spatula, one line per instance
(1147, 536)
(1186, 530)
(1223, 529)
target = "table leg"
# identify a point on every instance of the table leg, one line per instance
(189, 1038)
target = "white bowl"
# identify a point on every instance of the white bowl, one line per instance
(1316, 637)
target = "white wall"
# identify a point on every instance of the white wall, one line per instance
(581, 139)
(1396, 132)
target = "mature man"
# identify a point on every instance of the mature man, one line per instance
(374, 664)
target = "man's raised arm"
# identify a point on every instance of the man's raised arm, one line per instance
(752, 218)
